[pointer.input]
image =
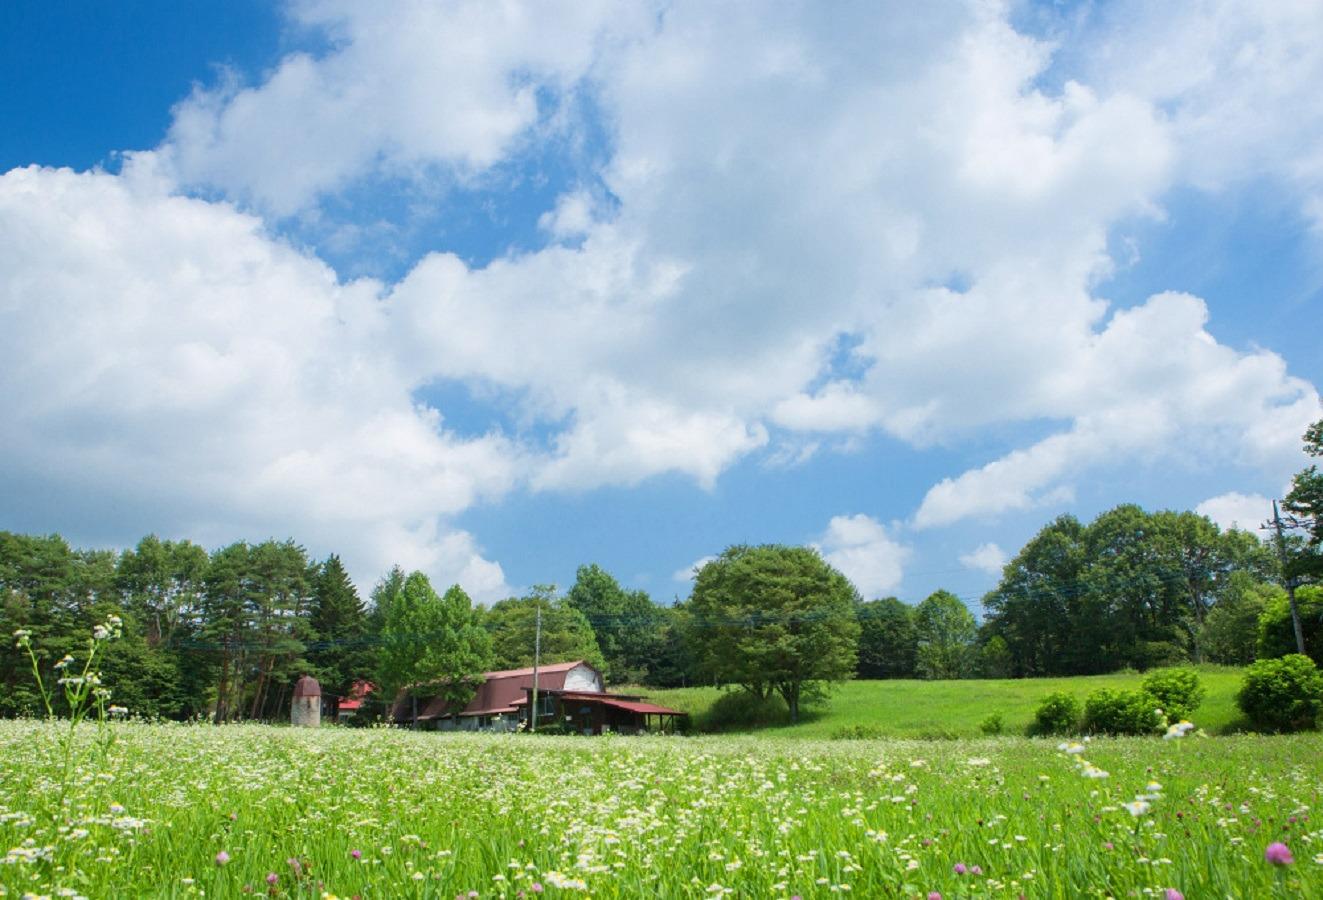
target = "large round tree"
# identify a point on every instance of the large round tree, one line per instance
(774, 619)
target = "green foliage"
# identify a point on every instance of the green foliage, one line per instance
(858, 733)
(1178, 692)
(946, 632)
(1121, 712)
(1230, 634)
(675, 664)
(1276, 632)
(566, 634)
(1304, 503)
(994, 658)
(1132, 588)
(888, 643)
(340, 653)
(740, 710)
(1057, 713)
(992, 724)
(1282, 694)
(628, 625)
(774, 619)
(435, 643)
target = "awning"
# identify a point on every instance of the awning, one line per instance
(634, 706)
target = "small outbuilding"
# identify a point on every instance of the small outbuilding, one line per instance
(306, 711)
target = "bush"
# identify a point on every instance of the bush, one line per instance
(993, 724)
(740, 709)
(1121, 712)
(1282, 694)
(1177, 691)
(1058, 713)
(857, 733)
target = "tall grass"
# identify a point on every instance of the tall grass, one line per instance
(176, 811)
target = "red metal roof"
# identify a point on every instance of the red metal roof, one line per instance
(499, 693)
(634, 706)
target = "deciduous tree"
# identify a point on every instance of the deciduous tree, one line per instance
(777, 619)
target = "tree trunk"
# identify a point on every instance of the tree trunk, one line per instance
(222, 689)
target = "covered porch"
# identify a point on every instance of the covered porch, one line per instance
(598, 713)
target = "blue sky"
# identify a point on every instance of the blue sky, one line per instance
(497, 291)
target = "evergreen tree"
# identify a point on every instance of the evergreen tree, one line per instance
(340, 650)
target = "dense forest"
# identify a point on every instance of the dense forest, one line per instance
(224, 634)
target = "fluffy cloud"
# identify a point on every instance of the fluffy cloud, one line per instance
(860, 547)
(1235, 510)
(165, 352)
(689, 572)
(987, 558)
(1237, 82)
(812, 221)
(410, 90)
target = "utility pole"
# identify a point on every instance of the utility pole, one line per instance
(537, 658)
(1290, 580)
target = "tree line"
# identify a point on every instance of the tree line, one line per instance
(225, 634)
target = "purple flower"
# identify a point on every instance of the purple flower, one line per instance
(1173, 894)
(272, 878)
(356, 854)
(222, 858)
(536, 887)
(975, 870)
(934, 895)
(959, 869)
(1278, 854)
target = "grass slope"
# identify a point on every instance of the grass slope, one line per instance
(918, 709)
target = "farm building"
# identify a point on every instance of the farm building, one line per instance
(569, 693)
(348, 707)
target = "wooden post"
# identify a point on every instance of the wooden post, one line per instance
(537, 658)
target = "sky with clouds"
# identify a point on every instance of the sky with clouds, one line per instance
(496, 289)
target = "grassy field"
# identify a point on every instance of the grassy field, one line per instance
(927, 709)
(183, 811)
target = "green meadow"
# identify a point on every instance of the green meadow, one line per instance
(169, 810)
(944, 709)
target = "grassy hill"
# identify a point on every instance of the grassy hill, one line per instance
(952, 708)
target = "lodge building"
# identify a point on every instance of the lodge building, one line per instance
(571, 695)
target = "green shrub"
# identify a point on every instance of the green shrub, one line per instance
(1058, 713)
(736, 710)
(1121, 712)
(1178, 692)
(1282, 694)
(993, 724)
(857, 733)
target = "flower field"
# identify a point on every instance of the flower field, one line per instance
(177, 810)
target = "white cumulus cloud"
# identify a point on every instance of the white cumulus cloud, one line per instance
(987, 558)
(862, 549)
(171, 366)
(1236, 510)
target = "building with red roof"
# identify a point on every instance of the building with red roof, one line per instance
(570, 695)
